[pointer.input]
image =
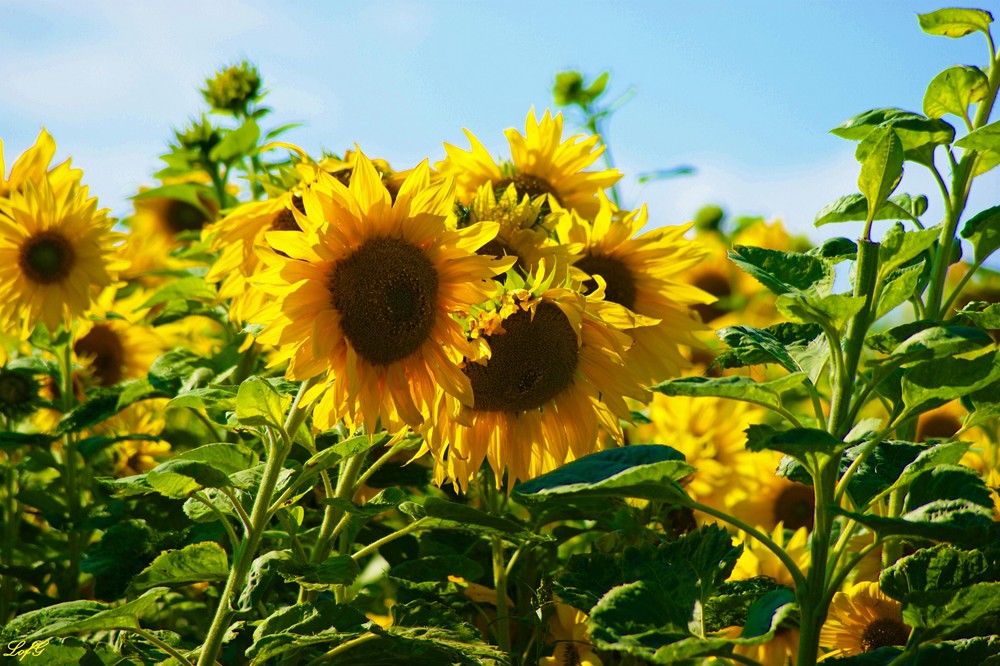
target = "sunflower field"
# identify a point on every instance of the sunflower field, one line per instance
(302, 409)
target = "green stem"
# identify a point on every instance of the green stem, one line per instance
(375, 545)
(238, 508)
(857, 328)
(155, 640)
(230, 532)
(500, 584)
(73, 500)
(11, 522)
(342, 648)
(961, 285)
(765, 540)
(243, 556)
(893, 550)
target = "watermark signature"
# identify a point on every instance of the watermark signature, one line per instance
(23, 648)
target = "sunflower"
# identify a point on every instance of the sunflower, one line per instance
(773, 499)
(118, 347)
(861, 620)
(941, 422)
(240, 236)
(642, 273)
(55, 254)
(710, 434)
(757, 560)
(33, 165)
(541, 164)
(18, 393)
(135, 456)
(160, 221)
(571, 639)
(546, 376)
(364, 295)
(524, 233)
(341, 169)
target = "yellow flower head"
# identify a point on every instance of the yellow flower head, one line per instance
(541, 164)
(364, 294)
(758, 560)
(240, 237)
(861, 620)
(547, 373)
(571, 639)
(643, 273)
(56, 254)
(524, 233)
(710, 434)
(33, 165)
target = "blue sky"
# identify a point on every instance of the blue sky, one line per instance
(746, 92)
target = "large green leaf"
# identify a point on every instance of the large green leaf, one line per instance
(951, 482)
(985, 140)
(179, 478)
(752, 346)
(953, 90)
(198, 562)
(899, 247)
(333, 571)
(782, 272)
(737, 387)
(881, 156)
(237, 143)
(983, 231)
(648, 471)
(955, 22)
(940, 567)
(125, 616)
(854, 208)
(832, 310)
(795, 442)
(259, 404)
(951, 613)
(900, 286)
(965, 652)
(933, 383)
(939, 342)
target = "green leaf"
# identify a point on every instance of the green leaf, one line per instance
(125, 616)
(987, 318)
(198, 562)
(983, 231)
(837, 249)
(950, 613)
(334, 571)
(191, 193)
(953, 90)
(794, 442)
(386, 500)
(899, 247)
(437, 568)
(100, 406)
(899, 287)
(854, 208)
(647, 471)
(986, 141)
(940, 567)
(933, 383)
(731, 604)
(917, 135)
(879, 470)
(467, 515)
(945, 653)
(754, 345)
(29, 622)
(939, 342)
(178, 478)
(831, 310)
(333, 454)
(881, 156)
(208, 397)
(943, 453)
(957, 521)
(767, 394)
(888, 340)
(782, 272)
(189, 288)
(760, 620)
(172, 370)
(955, 22)
(259, 404)
(237, 143)
(947, 482)
(223, 456)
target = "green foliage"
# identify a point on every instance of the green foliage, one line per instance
(767, 394)
(783, 272)
(953, 90)
(983, 231)
(955, 22)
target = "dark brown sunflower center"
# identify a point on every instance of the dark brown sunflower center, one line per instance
(621, 282)
(717, 285)
(567, 654)
(16, 389)
(795, 506)
(937, 426)
(182, 216)
(47, 257)
(530, 363)
(104, 347)
(884, 632)
(525, 184)
(285, 221)
(386, 293)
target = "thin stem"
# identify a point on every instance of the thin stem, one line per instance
(817, 405)
(238, 508)
(73, 500)
(840, 576)
(961, 285)
(388, 538)
(765, 540)
(845, 479)
(500, 585)
(394, 448)
(342, 648)
(166, 647)
(230, 532)
(293, 537)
